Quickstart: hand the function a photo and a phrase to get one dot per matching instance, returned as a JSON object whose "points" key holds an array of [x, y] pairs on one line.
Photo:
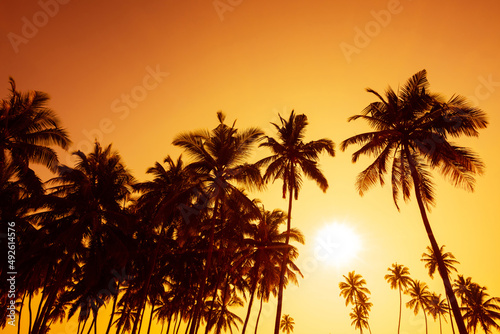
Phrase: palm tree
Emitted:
{"points": [[286, 323], [290, 158], [461, 286], [479, 309], [431, 261], [431, 264], [84, 224], [412, 127], [265, 245], [420, 295], [359, 318], [353, 288], [28, 128], [399, 278], [219, 162], [437, 308]]}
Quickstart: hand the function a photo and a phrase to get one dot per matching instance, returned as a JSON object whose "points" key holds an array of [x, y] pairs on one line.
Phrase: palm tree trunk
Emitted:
{"points": [[113, 309], [20, 313], [258, 316], [435, 248], [30, 313], [151, 316], [208, 264], [400, 306], [141, 316], [283, 265], [451, 317], [440, 326], [142, 302], [252, 294], [425, 318]]}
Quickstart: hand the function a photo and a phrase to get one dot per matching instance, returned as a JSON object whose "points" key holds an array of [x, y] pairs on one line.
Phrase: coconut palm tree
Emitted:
{"points": [[265, 245], [359, 318], [431, 264], [437, 308], [420, 295], [399, 278], [287, 323], [461, 286], [291, 157], [84, 221], [28, 129], [411, 132], [353, 288], [219, 162], [480, 309]]}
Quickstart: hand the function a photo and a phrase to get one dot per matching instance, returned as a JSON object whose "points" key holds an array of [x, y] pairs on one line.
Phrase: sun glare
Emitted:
{"points": [[337, 244]]}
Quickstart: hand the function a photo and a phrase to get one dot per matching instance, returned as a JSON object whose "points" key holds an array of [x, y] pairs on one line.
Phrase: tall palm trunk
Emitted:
{"points": [[400, 307], [283, 265], [435, 248], [144, 296], [41, 321], [151, 316], [425, 318], [113, 308], [451, 317], [250, 303], [258, 315], [201, 292]]}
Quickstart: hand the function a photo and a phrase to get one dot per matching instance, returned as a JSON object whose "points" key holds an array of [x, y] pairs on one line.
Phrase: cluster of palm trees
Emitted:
{"points": [[190, 244], [477, 309], [355, 293]]}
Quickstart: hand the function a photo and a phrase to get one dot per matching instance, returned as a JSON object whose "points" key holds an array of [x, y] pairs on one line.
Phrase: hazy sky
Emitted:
{"points": [[136, 74]]}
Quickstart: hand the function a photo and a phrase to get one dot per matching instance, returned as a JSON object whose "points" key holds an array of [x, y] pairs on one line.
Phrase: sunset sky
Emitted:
{"points": [[136, 74]]}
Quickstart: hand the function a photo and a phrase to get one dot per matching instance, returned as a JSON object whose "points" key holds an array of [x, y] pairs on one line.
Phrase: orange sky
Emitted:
{"points": [[138, 73]]}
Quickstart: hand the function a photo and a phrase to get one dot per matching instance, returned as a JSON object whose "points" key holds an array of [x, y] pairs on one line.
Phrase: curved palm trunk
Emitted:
{"points": [[258, 316], [435, 248], [425, 317], [283, 266], [250, 303]]}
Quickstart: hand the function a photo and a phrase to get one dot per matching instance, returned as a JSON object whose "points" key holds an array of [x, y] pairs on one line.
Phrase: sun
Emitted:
{"points": [[337, 244]]}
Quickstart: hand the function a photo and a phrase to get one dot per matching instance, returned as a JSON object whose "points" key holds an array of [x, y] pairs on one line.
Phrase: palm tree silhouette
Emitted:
{"points": [[219, 162], [431, 261], [290, 158], [265, 243], [28, 129], [412, 127], [359, 318], [479, 309], [287, 323], [437, 308], [431, 264], [399, 278], [85, 224], [420, 295], [353, 288]]}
